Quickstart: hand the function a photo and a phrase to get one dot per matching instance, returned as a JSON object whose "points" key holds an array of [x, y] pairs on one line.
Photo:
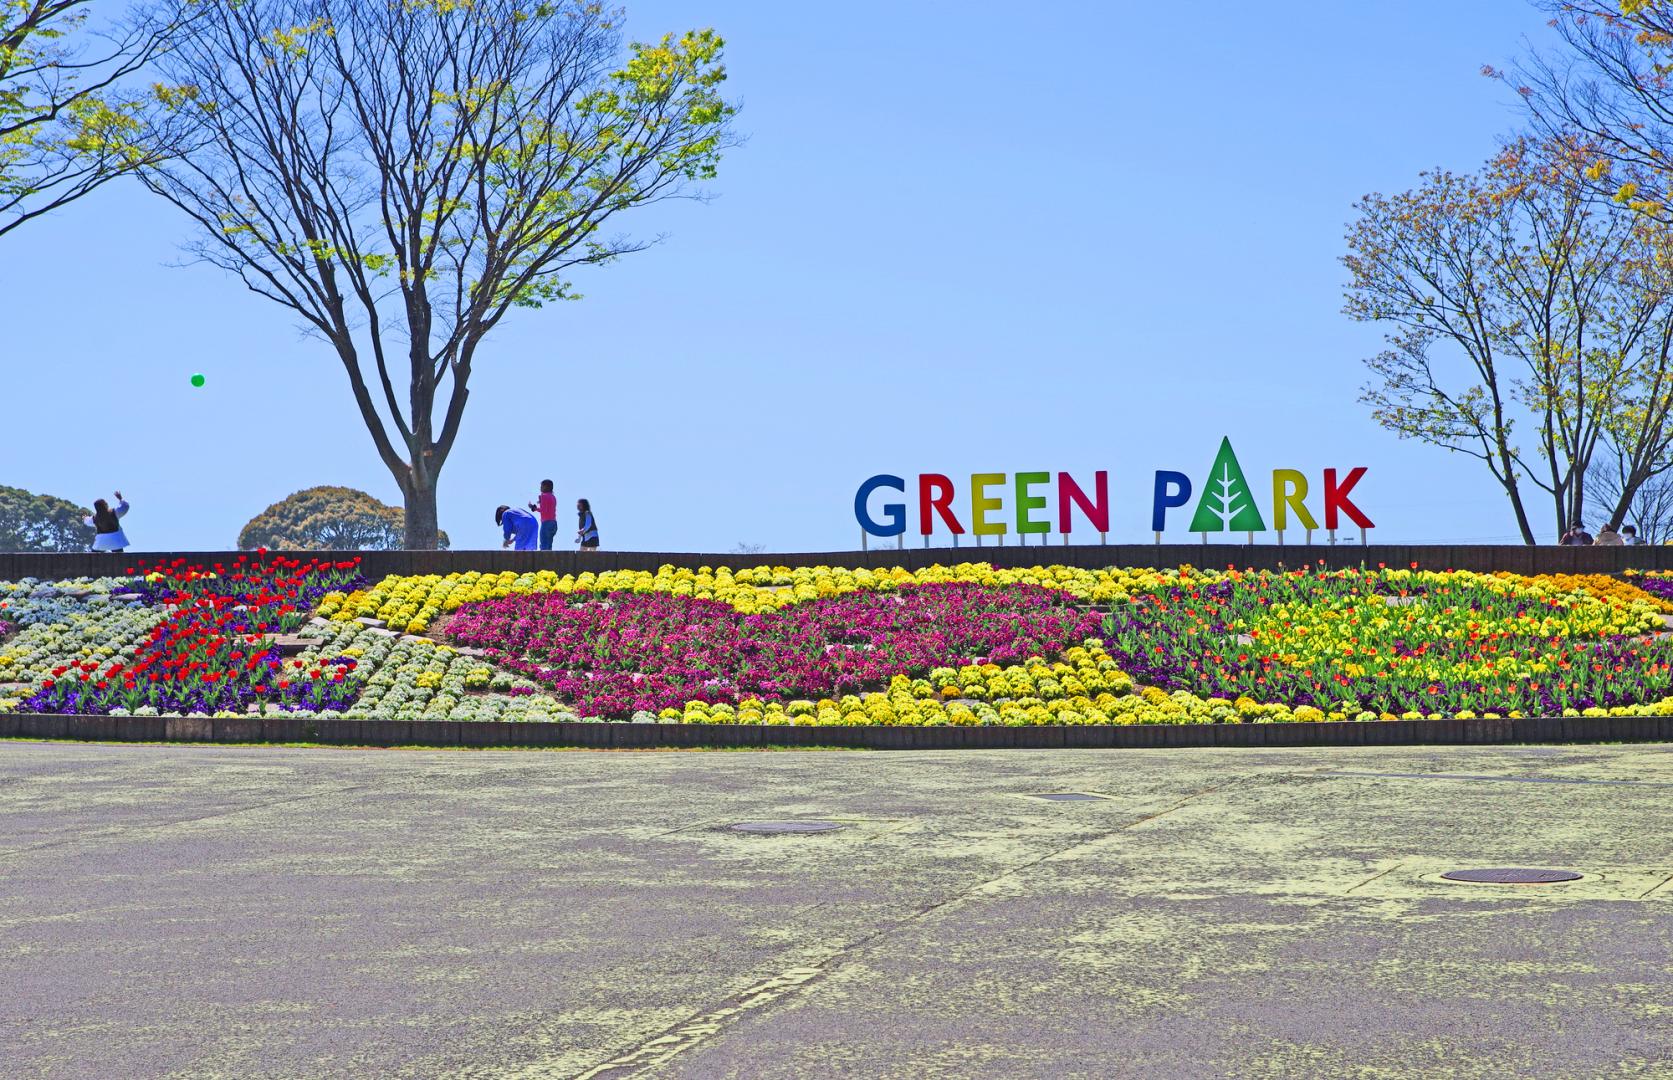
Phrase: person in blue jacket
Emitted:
{"points": [[522, 528]]}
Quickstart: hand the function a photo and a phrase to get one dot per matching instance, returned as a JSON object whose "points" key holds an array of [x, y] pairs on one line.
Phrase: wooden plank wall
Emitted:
{"points": [[1518, 559]]}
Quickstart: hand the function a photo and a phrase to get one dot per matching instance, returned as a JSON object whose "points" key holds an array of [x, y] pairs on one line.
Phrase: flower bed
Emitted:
{"points": [[209, 647], [1656, 592], [412, 603], [1657, 585], [409, 678], [946, 645], [617, 653], [57, 623], [1396, 643]]}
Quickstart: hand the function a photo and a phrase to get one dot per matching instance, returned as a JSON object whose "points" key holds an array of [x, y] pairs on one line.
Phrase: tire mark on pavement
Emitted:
{"points": [[706, 1025]]}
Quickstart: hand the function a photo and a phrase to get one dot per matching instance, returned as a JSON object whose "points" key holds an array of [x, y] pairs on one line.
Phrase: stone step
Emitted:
{"points": [[292, 644]]}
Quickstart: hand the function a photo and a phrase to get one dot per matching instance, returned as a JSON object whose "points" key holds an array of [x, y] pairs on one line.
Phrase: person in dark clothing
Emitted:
{"points": [[586, 531], [1577, 536], [107, 524]]}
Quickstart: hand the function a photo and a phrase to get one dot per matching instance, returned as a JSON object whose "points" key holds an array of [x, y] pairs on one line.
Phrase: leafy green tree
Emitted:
{"points": [[68, 120], [401, 176], [327, 519], [30, 522], [1531, 323]]}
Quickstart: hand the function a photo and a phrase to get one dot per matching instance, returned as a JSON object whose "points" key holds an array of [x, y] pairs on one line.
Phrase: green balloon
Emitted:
{"points": [[197, 380]]}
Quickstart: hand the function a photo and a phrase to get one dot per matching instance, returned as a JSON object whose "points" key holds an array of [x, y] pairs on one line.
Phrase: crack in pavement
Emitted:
{"points": [[1378, 874], [705, 1025], [1657, 885]]}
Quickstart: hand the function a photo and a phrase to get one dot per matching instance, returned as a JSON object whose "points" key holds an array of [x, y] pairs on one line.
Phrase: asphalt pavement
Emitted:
{"points": [[218, 911]]}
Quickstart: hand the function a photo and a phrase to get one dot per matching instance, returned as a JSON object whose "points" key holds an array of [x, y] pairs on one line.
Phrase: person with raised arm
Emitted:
{"points": [[107, 525]]}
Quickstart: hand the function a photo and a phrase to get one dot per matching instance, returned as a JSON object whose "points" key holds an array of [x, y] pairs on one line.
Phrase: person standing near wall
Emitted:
{"points": [[1577, 536], [586, 528], [1608, 537], [547, 507], [107, 525]]}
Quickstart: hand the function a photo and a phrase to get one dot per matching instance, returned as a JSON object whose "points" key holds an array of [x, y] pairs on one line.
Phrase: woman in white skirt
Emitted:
{"points": [[107, 523]]}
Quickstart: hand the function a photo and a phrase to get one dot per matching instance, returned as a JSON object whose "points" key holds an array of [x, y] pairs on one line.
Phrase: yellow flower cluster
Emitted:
{"points": [[1602, 586], [1084, 688], [1083, 671], [412, 603], [899, 708]]}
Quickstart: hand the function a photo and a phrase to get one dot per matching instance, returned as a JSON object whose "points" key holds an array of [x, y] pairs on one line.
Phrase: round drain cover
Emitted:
{"points": [[785, 826], [1512, 876]]}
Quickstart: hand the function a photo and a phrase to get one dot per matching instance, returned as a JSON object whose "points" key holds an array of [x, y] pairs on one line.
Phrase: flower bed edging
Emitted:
{"points": [[499, 733]]}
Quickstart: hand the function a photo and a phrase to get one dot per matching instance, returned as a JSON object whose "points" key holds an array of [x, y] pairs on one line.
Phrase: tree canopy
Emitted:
{"points": [[30, 522], [1530, 324], [327, 519], [401, 176], [69, 121]]}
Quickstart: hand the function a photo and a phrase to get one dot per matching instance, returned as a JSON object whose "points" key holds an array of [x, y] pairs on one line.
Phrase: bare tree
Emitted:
{"points": [[69, 121], [1529, 322], [1649, 507], [402, 175], [1610, 85]]}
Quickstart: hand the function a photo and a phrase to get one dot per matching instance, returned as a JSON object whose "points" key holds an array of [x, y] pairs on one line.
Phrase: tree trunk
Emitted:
{"points": [[422, 533], [1513, 491], [1521, 514], [1623, 507]]}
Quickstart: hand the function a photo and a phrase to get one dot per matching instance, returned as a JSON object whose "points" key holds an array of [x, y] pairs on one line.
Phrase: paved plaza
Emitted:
{"points": [[209, 911]]}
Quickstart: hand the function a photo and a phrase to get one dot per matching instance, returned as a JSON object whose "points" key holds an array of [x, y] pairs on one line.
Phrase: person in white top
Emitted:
{"points": [[108, 525]]}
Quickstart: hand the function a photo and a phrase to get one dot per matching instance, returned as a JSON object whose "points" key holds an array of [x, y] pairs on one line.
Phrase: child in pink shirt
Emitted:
{"points": [[547, 508]]}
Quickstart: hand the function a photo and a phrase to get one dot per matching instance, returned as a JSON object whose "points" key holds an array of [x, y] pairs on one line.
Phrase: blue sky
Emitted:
{"points": [[961, 238]]}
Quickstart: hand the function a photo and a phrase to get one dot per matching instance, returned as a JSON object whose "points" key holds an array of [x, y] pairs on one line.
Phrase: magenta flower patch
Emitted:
{"points": [[612, 654]]}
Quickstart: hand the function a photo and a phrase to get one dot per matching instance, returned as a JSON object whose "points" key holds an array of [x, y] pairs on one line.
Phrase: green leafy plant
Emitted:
{"points": [[30, 522], [327, 519]]}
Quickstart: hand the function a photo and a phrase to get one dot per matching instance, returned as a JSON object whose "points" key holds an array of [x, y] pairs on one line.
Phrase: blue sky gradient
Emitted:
{"points": [[960, 238]]}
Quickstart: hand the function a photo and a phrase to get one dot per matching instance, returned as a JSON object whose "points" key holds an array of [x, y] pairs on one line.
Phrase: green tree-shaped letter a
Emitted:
{"points": [[1227, 503]]}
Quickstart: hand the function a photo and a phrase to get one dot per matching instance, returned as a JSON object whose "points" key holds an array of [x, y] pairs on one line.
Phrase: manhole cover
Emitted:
{"points": [[1512, 876], [1069, 796], [785, 826]]}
